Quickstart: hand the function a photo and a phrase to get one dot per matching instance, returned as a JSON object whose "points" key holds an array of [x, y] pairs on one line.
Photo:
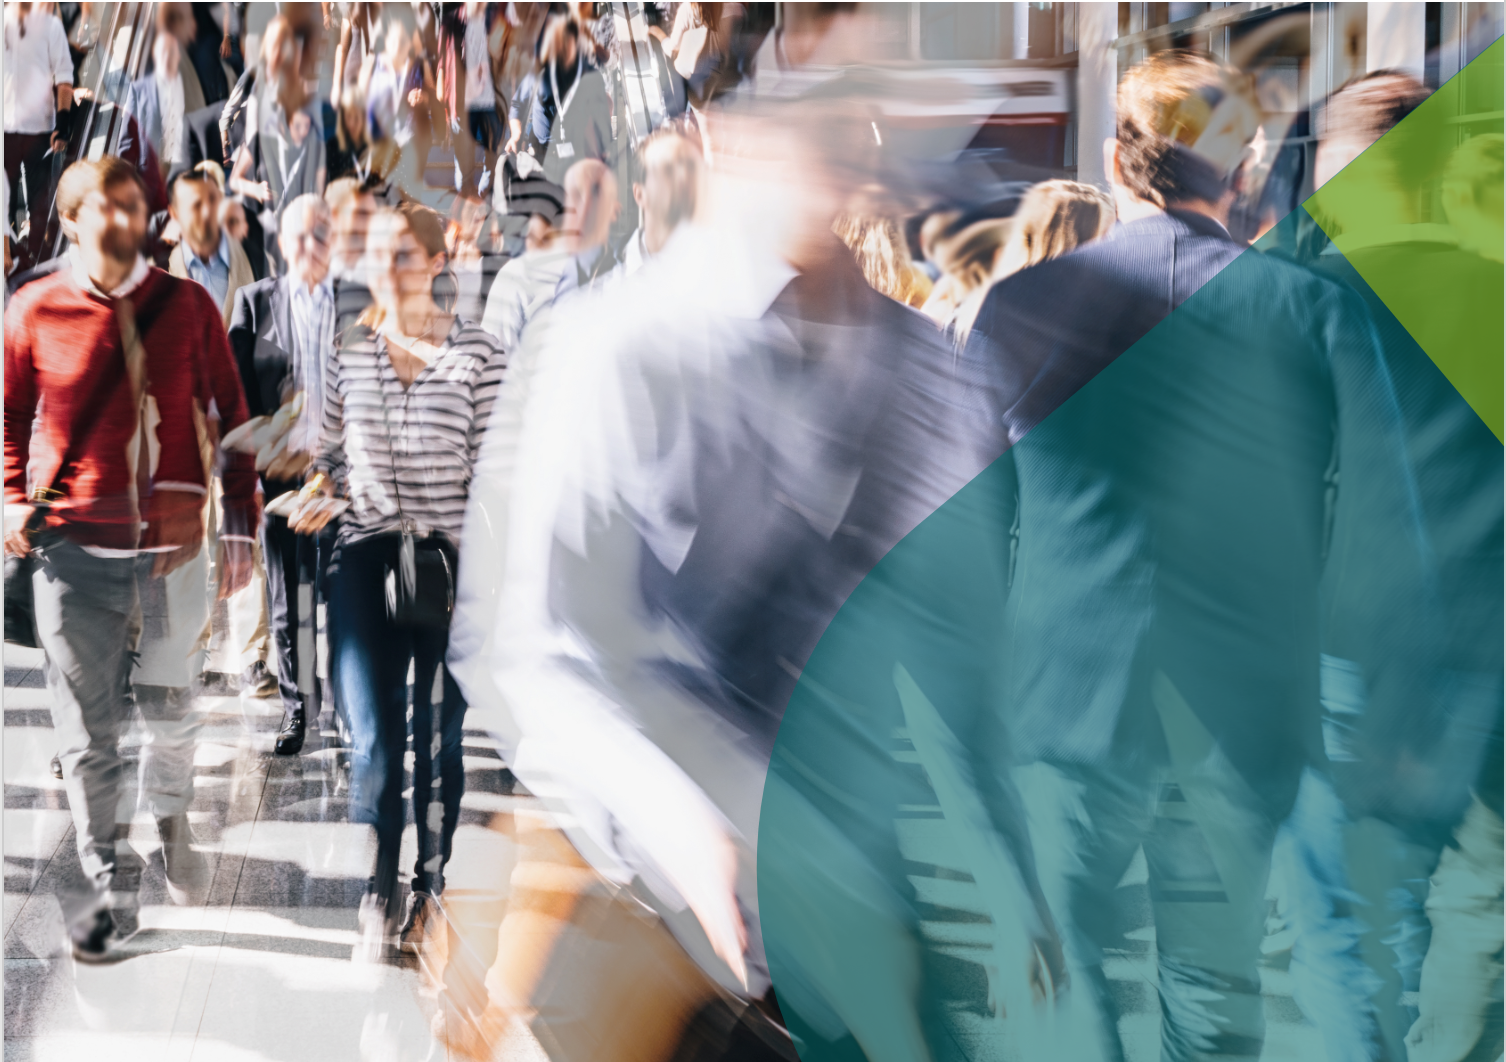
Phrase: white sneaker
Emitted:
{"points": [[376, 934]]}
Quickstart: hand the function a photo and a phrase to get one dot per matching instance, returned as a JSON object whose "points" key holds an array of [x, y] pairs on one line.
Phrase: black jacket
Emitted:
{"points": [[261, 338], [1202, 433]]}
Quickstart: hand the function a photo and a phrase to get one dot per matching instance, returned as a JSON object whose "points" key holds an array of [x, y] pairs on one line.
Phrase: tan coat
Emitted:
{"points": [[240, 274]]}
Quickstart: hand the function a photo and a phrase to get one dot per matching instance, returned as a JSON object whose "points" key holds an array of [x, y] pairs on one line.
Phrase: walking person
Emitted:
{"points": [[407, 396], [38, 111], [282, 333], [206, 253], [1182, 415], [113, 371], [284, 155]]}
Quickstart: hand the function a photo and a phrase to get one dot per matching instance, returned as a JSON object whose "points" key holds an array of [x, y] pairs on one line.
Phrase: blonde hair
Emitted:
{"points": [[1053, 218], [881, 253], [1164, 106], [966, 260]]}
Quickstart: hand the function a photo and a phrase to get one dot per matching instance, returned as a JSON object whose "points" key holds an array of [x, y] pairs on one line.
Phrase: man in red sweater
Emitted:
{"points": [[110, 443]]}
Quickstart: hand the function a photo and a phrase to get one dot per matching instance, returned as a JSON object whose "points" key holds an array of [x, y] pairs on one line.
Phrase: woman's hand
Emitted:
{"points": [[309, 519]]}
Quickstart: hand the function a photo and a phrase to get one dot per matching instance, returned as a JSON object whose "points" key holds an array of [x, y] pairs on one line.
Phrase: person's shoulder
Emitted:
{"points": [[44, 288], [1316, 286], [474, 341], [258, 294], [181, 294]]}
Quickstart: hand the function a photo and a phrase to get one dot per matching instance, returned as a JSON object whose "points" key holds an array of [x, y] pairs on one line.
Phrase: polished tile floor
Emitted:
{"points": [[263, 970]]}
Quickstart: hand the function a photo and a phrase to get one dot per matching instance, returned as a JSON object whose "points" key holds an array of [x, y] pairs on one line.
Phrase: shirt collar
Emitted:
{"points": [[587, 258], [222, 252], [131, 283], [320, 292], [741, 283]]}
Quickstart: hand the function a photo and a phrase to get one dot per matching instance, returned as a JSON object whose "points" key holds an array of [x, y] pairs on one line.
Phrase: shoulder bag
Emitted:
{"points": [[420, 585]]}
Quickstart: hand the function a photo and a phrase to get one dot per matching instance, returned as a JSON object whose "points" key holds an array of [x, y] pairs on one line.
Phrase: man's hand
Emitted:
{"points": [[225, 46], [58, 143], [174, 518], [415, 98], [17, 538], [236, 562]]}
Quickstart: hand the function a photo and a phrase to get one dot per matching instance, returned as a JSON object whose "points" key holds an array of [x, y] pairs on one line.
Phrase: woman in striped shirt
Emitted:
{"points": [[407, 395]]}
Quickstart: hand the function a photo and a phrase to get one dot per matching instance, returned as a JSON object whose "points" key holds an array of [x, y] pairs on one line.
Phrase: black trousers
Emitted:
{"points": [[29, 150], [291, 559]]}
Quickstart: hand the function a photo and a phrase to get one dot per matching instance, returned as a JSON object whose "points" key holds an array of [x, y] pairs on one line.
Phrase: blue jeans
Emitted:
{"points": [[369, 658], [1332, 981]]}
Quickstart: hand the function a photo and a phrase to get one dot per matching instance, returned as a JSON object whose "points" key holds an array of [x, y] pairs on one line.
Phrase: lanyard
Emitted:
{"points": [[561, 106]]}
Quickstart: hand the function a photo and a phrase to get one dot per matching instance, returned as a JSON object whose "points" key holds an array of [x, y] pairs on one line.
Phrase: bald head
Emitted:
{"points": [[590, 204]]}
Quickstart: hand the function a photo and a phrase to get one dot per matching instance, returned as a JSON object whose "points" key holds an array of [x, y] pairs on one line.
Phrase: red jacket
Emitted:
{"points": [[65, 376]]}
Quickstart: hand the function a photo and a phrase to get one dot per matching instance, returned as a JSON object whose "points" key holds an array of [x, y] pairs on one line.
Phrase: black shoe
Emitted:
{"points": [[91, 937], [290, 737], [57, 768]]}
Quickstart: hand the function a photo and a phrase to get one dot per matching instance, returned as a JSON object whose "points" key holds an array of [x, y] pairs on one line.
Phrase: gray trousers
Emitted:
{"points": [[118, 640]]}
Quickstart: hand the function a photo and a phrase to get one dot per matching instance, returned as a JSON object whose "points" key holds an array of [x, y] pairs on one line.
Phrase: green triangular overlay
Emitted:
{"points": [[1368, 202]]}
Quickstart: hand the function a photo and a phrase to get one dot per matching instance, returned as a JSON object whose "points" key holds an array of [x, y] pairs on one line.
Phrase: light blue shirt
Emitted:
{"points": [[313, 338], [214, 274]]}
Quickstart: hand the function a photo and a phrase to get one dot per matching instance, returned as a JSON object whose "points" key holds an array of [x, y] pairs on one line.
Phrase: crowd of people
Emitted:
{"points": [[694, 453]]}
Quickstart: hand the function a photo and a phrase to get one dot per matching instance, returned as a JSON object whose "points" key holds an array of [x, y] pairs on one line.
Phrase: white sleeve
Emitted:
{"points": [[58, 56]]}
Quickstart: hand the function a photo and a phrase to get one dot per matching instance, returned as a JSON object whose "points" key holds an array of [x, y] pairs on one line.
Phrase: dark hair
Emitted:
{"points": [[1371, 107], [196, 175], [427, 227], [93, 175]]}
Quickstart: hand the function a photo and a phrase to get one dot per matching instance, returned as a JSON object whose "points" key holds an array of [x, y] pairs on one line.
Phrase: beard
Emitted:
{"points": [[121, 246]]}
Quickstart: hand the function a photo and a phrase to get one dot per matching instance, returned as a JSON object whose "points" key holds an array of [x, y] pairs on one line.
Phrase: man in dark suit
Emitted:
{"points": [[201, 137], [1410, 785], [281, 333], [1180, 412]]}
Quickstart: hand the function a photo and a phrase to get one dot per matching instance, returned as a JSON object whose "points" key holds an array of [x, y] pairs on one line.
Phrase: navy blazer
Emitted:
{"points": [[261, 338], [1181, 408]]}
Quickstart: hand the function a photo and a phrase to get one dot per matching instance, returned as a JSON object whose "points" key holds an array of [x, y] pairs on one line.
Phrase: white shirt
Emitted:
{"points": [[577, 442], [34, 64], [478, 65], [170, 102]]}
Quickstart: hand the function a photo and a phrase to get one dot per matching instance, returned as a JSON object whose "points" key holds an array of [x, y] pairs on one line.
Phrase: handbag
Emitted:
{"points": [[420, 584], [20, 602]]}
